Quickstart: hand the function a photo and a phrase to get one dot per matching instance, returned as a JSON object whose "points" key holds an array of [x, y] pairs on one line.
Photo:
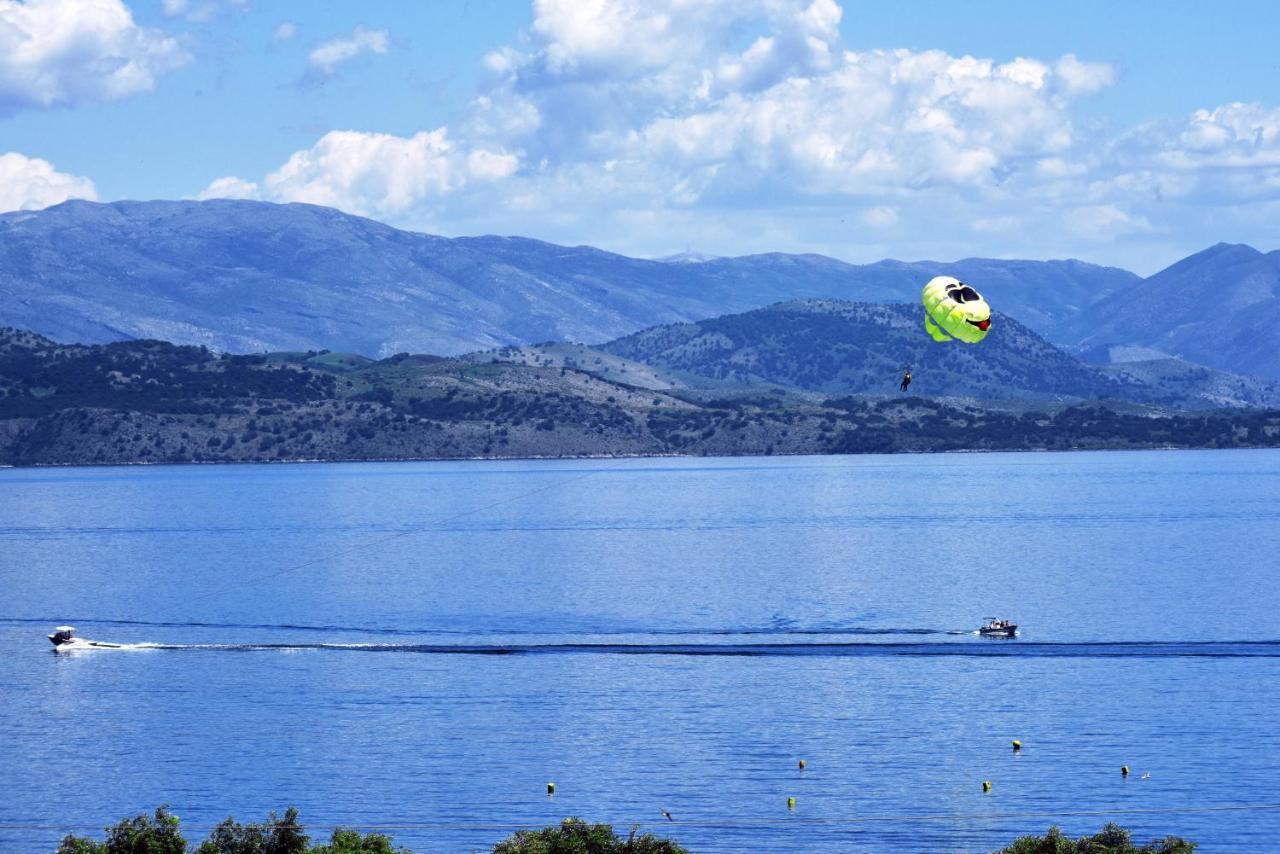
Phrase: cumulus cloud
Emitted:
{"points": [[645, 101], [29, 183], [325, 58], [1099, 222], [1225, 156], [229, 187], [646, 125], [1231, 135], [373, 174], [1082, 78], [880, 216], [367, 172], [284, 31], [56, 52], [201, 11]]}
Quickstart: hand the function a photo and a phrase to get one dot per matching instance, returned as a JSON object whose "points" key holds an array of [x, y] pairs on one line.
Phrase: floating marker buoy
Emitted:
{"points": [[1017, 745], [791, 803], [801, 764], [1124, 770], [551, 788], [986, 785]]}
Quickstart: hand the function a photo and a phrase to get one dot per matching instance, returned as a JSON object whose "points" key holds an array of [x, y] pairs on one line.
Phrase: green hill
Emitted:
{"points": [[150, 401]]}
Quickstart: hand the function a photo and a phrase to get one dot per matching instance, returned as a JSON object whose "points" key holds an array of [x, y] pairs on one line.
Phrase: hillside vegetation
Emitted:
{"points": [[150, 401], [839, 347]]}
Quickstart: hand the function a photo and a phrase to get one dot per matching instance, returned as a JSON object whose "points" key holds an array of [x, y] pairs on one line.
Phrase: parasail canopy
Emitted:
{"points": [[953, 310]]}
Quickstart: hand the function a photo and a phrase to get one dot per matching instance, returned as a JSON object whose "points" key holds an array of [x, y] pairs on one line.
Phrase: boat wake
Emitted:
{"points": [[784, 640], [80, 645], [780, 629], [1195, 649]]}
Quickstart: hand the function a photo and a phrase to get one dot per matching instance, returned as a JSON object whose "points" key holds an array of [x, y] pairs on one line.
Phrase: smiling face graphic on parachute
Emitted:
{"points": [[952, 309]]}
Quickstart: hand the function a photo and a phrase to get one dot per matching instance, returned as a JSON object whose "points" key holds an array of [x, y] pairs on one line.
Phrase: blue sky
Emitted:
{"points": [[1104, 131]]}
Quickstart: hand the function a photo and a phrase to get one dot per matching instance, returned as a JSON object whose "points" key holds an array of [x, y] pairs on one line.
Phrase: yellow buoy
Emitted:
{"points": [[791, 803], [551, 788], [801, 764], [986, 785], [1017, 745], [1124, 770]]}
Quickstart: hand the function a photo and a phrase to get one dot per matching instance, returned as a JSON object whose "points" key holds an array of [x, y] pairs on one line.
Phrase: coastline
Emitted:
{"points": [[608, 457]]}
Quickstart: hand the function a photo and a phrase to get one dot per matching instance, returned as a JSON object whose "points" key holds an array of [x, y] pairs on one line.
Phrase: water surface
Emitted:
{"points": [[423, 646]]}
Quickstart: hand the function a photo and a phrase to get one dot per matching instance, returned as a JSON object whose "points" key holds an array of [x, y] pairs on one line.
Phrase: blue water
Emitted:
{"points": [[421, 647]]}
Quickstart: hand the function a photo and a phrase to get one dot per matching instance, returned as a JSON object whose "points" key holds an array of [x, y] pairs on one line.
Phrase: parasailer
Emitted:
{"points": [[953, 310], [906, 380]]}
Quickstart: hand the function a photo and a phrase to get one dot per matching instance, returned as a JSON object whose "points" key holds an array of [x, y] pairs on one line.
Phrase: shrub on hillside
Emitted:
{"points": [[160, 835], [575, 836], [1112, 839], [141, 834]]}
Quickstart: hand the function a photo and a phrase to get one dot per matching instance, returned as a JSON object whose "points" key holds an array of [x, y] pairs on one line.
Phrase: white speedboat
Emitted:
{"points": [[64, 640]]}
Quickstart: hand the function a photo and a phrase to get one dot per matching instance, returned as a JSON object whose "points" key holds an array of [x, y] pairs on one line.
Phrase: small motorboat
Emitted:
{"points": [[64, 640], [994, 628]]}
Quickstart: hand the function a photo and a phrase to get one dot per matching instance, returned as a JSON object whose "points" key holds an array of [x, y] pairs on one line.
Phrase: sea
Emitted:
{"points": [[421, 648]]}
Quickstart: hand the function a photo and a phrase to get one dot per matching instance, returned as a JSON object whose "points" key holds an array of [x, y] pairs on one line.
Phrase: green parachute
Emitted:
{"points": [[952, 309]]}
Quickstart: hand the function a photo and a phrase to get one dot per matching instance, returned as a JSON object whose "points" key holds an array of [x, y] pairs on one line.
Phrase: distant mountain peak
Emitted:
{"points": [[1218, 252], [689, 256], [247, 276]]}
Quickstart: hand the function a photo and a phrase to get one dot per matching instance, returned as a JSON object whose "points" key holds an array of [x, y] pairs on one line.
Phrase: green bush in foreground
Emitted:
{"points": [[159, 834], [575, 836], [139, 835], [1112, 839]]}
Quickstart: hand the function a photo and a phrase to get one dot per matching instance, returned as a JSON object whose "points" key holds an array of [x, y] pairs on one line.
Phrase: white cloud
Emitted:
{"points": [[229, 187], [284, 31], [1084, 78], [374, 174], [1057, 167], [201, 11], [880, 216], [326, 57], [490, 166], [995, 224], [367, 173], [29, 183], [56, 52], [378, 174], [1102, 222], [744, 125], [1231, 135], [1219, 157]]}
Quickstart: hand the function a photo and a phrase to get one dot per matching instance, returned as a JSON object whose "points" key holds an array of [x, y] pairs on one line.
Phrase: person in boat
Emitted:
{"points": [[906, 380], [62, 634]]}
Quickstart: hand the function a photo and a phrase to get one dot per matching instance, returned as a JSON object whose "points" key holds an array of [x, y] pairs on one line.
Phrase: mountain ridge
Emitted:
{"points": [[152, 401], [243, 276], [1215, 308], [838, 347]]}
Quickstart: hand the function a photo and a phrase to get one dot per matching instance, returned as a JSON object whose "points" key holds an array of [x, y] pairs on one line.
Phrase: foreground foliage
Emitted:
{"points": [[575, 836], [160, 834], [1112, 839]]}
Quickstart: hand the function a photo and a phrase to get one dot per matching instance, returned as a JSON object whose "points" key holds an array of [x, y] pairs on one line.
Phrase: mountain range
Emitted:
{"points": [[833, 347], [243, 276], [1216, 307], [152, 401]]}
